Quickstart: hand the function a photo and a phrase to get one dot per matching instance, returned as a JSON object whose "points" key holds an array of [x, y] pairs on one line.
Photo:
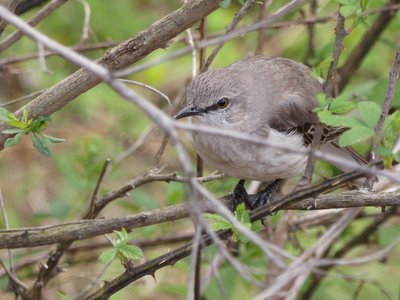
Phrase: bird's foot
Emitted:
{"points": [[238, 196], [265, 196]]}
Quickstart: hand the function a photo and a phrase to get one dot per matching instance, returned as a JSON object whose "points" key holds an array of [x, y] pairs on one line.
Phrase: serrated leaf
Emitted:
{"points": [[12, 131], [328, 118], [369, 112], [341, 107], [355, 135], [12, 141], [39, 145], [218, 222], [130, 251], [347, 10], [108, 255]]}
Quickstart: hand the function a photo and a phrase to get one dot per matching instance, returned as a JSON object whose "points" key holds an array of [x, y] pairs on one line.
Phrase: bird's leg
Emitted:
{"points": [[266, 195], [239, 195]]}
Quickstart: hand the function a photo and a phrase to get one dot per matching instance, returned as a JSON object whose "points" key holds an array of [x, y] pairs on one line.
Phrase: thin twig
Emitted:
{"points": [[311, 32], [387, 103], [93, 197], [239, 16], [150, 88], [77, 48], [6, 226], [261, 36], [19, 287], [356, 56], [331, 82], [86, 22]]}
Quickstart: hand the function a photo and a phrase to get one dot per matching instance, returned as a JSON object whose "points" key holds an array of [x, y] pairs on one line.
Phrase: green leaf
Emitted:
{"points": [[383, 151], [108, 255], [5, 115], [348, 10], [355, 135], [369, 112], [121, 235], [341, 106], [218, 222], [225, 3], [39, 145], [12, 131], [130, 251], [53, 139], [12, 141], [16, 123], [242, 215], [322, 100], [397, 156], [328, 118]]}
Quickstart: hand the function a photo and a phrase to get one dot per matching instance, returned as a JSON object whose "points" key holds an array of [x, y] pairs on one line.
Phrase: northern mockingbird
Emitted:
{"points": [[269, 98]]}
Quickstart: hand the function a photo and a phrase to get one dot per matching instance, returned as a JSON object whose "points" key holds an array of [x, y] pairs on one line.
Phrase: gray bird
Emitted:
{"points": [[269, 98]]}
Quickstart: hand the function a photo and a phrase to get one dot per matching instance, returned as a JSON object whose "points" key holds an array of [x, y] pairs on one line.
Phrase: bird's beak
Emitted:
{"points": [[187, 112]]}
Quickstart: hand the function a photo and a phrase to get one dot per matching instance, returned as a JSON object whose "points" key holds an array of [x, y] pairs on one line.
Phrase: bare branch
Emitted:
{"points": [[77, 230]]}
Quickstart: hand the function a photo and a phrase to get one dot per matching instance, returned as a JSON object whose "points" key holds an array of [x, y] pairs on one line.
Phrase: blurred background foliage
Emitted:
{"points": [[99, 124]]}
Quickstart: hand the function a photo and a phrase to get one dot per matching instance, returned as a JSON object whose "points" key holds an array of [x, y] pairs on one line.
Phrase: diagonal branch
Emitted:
{"points": [[128, 52]]}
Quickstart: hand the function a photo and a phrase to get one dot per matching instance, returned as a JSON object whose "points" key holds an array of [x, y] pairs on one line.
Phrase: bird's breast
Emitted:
{"points": [[246, 160]]}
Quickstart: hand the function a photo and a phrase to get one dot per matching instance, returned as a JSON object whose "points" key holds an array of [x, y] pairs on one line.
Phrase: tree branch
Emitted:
{"points": [[128, 52]]}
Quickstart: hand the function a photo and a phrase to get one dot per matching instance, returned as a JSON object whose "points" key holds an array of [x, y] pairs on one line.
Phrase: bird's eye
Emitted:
{"points": [[223, 102]]}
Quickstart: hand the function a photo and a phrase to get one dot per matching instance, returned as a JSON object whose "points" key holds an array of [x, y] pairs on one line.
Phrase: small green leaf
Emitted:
{"points": [[242, 215], [130, 251], [53, 139], [328, 118], [340, 107], [218, 222], [12, 131], [355, 135], [397, 156], [322, 100], [16, 123], [108, 255], [383, 151], [5, 115], [12, 141], [39, 145], [348, 10], [369, 112]]}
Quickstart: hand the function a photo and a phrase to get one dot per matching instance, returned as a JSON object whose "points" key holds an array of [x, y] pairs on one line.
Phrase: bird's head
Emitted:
{"points": [[217, 97]]}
